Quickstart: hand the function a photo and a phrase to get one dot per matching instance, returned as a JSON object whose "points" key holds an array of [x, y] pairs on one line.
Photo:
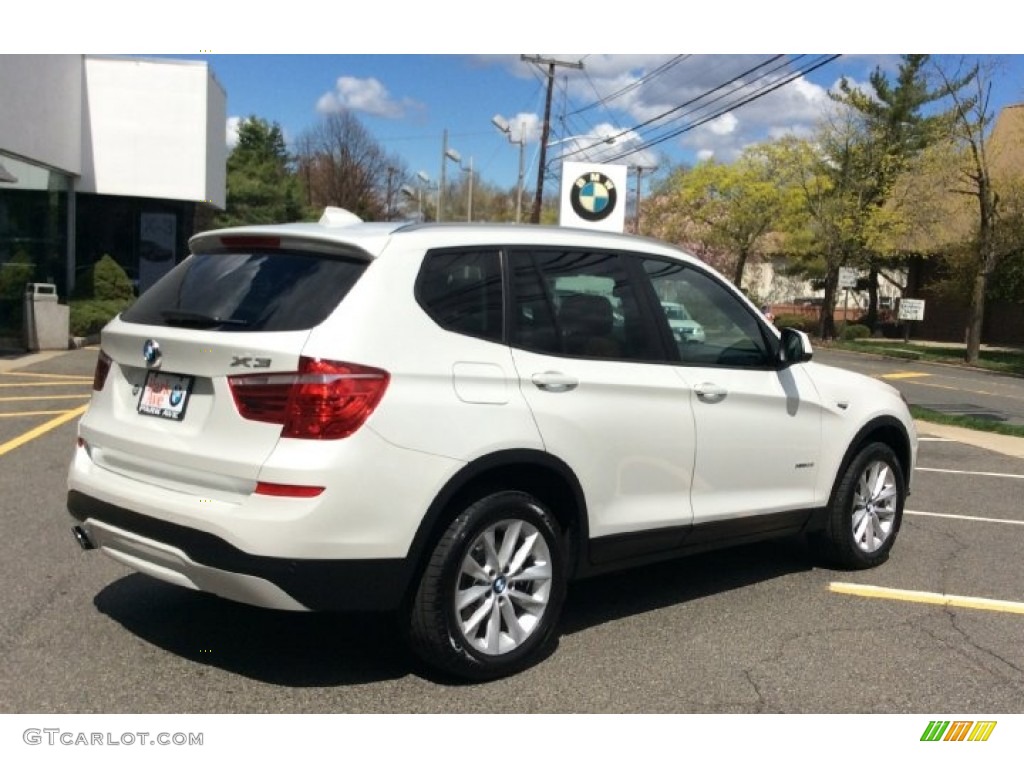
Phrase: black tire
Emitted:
{"points": [[520, 614], [865, 511]]}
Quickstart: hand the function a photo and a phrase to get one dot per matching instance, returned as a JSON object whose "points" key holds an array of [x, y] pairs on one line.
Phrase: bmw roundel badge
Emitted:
{"points": [[151, 353], [593, 196]]}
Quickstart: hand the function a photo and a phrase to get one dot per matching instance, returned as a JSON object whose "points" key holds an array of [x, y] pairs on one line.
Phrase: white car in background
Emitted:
{"points": [[439, 421], [684, 327]]}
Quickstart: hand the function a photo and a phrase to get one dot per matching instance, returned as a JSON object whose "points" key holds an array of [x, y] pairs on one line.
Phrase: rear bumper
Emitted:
{"points": [[200, 560]]}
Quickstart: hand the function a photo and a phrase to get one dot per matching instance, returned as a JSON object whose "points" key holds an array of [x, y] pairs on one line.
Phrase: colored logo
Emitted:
{"points": [[958, 730], [593, 196], [151, 353], [176, 395]]}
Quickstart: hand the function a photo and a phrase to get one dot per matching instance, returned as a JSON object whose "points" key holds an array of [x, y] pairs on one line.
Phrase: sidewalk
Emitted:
{"points": [[1004, 444], [12, 360]]}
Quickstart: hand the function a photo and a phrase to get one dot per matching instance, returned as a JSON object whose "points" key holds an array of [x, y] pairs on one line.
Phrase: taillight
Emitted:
{"points": [[99, 376], [291, 491], [324, 400]]}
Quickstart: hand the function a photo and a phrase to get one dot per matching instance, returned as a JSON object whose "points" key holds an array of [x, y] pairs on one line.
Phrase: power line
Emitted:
{"points": [[762, 91], [603, 100], [682, 106]]}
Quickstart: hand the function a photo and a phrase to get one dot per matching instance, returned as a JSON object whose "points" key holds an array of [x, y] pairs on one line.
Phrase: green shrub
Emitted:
{"points": [[105, 280], [805, 323], [20, 269], [88, 316], [856, 331]]}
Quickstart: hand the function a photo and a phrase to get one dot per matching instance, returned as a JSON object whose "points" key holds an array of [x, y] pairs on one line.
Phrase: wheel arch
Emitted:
{"points": [[883, 429], [539, 474]]}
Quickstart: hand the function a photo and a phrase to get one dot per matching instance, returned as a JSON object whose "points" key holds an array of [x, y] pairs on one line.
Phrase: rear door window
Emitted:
{"points": [[580, 304], [252, 291]]}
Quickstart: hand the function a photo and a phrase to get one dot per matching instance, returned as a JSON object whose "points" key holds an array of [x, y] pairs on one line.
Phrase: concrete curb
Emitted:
{"points": [[1004, 444]]}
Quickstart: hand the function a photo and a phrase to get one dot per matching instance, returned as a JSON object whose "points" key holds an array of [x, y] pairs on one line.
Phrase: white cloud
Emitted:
{"points": [[693, 102], [724, 125], [231, 131], [362, 95], [525, 124]]}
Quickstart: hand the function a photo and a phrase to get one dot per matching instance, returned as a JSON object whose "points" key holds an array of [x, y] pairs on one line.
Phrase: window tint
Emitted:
{"points": [[709, 324], [461, 291], [260, 291], [581, 304]]}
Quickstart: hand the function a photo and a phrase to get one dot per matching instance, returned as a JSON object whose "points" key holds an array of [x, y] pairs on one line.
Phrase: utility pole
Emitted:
{"points": [[552, 63], [639, 194], [440, 188], [389, 194]]}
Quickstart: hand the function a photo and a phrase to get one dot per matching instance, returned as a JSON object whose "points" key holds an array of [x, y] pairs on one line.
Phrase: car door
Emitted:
{"points": [[757, 424], [594, 370]]}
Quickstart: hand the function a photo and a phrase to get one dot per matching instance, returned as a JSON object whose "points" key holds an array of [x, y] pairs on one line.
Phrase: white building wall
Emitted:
{"points": [[216, 143], [145, 128], [40, 109]]}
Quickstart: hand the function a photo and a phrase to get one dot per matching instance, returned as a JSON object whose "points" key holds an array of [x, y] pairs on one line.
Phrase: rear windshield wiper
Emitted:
{"points": [[197, 319]]}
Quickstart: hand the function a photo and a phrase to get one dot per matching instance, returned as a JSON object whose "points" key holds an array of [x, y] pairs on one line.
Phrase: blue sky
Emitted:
{"points": [[408, 101], [411, 70]]}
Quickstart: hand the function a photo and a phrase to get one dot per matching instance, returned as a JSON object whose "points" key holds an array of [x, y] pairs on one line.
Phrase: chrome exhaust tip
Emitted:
{"points": [[82, 538]]}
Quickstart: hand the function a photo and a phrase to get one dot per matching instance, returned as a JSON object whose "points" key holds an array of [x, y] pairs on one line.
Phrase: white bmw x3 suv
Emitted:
{"points": [[454, 421]]}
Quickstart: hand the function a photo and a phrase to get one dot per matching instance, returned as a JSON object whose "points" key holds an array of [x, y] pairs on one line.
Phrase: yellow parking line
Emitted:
{"points": [[47, 375], [931, 598], [915, 375], [43, 397], [903, 375], [30, 413], [42, 429]]}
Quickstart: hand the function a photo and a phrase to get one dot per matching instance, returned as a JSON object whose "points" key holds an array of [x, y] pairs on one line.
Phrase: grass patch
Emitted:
{"points": [[999, 361], [967, 422]]}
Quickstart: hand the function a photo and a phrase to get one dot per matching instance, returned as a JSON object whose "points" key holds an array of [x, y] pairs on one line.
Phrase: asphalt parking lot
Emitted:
{"points": [[761, 628]]}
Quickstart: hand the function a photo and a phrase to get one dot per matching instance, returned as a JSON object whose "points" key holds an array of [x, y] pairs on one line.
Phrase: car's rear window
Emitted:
{"points": [[252, 291]]}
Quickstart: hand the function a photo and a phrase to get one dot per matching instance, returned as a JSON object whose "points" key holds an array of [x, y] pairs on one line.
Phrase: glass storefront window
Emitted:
{"points": [[33, 235]]}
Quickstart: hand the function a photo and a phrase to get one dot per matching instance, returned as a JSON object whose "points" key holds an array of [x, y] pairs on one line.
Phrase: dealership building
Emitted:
{"points": [[104, 155]]}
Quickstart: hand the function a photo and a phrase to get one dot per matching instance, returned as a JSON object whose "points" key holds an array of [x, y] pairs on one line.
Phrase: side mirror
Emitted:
{"points": [[795, 347]]}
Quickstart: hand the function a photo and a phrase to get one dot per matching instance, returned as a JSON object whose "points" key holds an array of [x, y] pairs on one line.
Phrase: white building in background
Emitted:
{"points": [[104, 155]]}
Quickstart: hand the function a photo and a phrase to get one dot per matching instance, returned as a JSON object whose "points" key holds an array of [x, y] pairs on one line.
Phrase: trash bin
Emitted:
{"points": [[46, 321]]}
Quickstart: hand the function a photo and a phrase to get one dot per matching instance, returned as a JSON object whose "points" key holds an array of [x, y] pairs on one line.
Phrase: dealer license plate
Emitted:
{"points": [[165, 395]]}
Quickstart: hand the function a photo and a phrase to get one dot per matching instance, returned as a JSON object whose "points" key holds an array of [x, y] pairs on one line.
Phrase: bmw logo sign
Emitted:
{"points": [[593, 196], [151, 354]]}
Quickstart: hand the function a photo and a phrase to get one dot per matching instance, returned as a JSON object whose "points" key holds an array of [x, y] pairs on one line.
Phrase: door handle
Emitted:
{"points": [[554, 381], [711, 393]]}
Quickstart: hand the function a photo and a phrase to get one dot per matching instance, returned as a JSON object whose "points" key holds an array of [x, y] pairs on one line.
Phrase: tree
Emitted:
{"points": [[666, 220], [971, 121], [261, 188], [894, 131], [735, 205], [341, 164], [824, 217]]}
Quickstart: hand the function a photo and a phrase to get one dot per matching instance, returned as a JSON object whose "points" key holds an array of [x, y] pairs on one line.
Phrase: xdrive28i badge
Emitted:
{"points": [[151, 354], [593, 196]]}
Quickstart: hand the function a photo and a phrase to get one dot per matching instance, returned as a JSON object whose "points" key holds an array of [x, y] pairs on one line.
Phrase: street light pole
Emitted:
{"points": [[440, 189], [447, 154], [502, 125], [469, 202], [424, 180]]}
